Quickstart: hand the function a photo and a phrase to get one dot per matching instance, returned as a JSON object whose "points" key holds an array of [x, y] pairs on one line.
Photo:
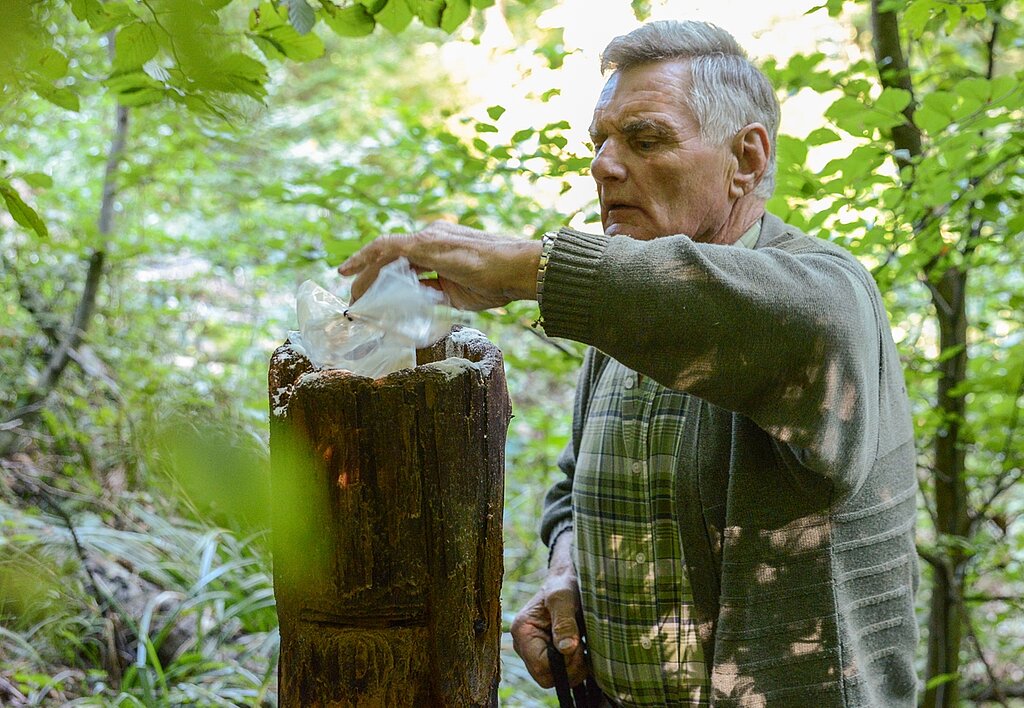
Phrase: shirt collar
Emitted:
{"points": [[749, 237]]}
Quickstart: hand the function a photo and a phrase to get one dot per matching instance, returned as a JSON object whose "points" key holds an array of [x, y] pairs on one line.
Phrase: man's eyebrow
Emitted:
{"points": [[635, 127], [648, 127]]}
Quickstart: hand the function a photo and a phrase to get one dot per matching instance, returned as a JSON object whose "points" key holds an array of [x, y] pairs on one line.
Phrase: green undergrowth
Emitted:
{"points": [[137, 609]]}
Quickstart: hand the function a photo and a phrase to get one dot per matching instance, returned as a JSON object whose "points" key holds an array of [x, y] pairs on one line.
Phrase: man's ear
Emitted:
{"points": [[752, 151]]}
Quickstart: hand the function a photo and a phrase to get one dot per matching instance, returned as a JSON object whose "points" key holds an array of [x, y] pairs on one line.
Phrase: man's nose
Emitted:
{"points": [[607, 165]]}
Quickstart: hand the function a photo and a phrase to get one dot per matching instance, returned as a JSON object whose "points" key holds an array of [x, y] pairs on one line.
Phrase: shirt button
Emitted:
{"points": [[645, 643], [629, 382], [637, 467], [640, 557]]}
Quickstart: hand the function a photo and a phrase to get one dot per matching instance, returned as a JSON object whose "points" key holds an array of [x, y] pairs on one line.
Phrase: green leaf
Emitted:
{"points": [[102, 17], [51, 64], [485, 128], [455, 13], [63, 97], [395, 16], [930, 121], [245, 66], [135, 88], [822, 136], [940, 679], [942, 102], [847, 113], [352, 21], [953, 15], [39, 180], [791, 150], [976, 11], [950, 352], [301, 16], [340, 249], [521, 135], [558, 141], [276, 38], [20, 211], [88, 10], [893, 100], [917, 15], [429, 11], [974, 87], [495, 112], [134, 46], [482, 4], [641, 9], [240, 73]]}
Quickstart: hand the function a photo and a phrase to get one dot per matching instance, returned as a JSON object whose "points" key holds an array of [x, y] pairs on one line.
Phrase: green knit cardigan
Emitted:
{"points": [[796, 490]]}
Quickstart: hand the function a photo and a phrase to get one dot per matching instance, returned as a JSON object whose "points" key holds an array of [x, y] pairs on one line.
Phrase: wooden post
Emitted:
{"points": [[388, 500]]}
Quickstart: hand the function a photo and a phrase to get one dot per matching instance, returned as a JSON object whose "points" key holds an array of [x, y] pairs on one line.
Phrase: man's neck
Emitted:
{"points": [[744, 213]]}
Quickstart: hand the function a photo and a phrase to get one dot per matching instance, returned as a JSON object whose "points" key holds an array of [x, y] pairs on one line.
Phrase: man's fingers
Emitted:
{"points": [[535, 656], [376, 254], [565, 633], [363, 282]]}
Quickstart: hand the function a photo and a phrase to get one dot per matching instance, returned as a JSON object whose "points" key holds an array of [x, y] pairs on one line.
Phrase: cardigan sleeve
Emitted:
{"points": [[789, 334]]}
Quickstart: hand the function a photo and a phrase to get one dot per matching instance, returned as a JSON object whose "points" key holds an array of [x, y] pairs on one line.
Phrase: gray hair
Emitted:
{"points": [[727, 90]]}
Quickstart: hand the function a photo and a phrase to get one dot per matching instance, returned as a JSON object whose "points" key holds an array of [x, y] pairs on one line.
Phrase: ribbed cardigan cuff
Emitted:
{"points": [[566, 304]]}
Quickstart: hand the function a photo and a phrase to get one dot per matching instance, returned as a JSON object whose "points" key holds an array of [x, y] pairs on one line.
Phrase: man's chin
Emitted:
{"points": [[626, 229]]}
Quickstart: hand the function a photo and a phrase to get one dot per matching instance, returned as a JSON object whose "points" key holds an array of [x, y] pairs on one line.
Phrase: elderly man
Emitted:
{"points": [[737, 510]]}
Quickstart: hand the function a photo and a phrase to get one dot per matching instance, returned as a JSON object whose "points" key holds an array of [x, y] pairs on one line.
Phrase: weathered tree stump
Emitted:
{"points": [[388, 499]]}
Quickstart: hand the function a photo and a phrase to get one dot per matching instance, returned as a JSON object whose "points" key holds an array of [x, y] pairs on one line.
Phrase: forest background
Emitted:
{"points": [[172, 169]]}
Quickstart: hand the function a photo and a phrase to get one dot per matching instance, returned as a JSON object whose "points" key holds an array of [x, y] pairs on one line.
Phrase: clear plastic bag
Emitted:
{"points": [[377, 335]]}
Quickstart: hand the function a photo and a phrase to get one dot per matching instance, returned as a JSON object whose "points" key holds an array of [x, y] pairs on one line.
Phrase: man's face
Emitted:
{"points": [[655, 176]]}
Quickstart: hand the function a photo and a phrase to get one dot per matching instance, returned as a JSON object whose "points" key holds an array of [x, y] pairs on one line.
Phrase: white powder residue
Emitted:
{"points": [[295, 343], [464, 337], [452, 367]]}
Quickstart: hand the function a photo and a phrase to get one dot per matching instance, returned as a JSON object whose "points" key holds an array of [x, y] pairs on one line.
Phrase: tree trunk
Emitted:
{"points": [[387, 528], [946, 615], [948, 288]]}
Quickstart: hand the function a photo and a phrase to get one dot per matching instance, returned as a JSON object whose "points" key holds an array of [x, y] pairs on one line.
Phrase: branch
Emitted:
{"points": [[983, 599], [936, 562], [548, 340], [998, 695], [938, 212], [62, 354], [979, 693], [990, 46], [929, 507], [1007, 477]]}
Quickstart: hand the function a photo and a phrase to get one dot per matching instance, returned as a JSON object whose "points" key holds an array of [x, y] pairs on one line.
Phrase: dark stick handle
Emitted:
{"points": [[557, 663]]}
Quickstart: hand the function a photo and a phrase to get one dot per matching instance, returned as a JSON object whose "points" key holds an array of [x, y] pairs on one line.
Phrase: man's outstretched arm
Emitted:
{"points": [[475, 269]]}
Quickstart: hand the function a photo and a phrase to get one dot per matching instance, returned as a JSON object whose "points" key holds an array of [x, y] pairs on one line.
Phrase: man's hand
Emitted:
{"points": [[550, 616], [475, 269]]}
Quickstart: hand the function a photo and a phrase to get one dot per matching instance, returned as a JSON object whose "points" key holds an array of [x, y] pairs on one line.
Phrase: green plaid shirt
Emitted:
{"points": [[637, 600]]}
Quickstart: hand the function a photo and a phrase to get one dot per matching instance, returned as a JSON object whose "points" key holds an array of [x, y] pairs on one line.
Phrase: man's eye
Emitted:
{"points": [[646, 145]]}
